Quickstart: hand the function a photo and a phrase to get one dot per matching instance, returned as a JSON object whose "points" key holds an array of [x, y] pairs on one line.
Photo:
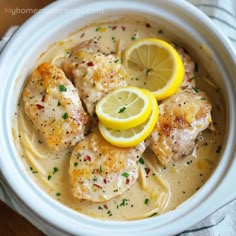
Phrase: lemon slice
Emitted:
{"points": [[132, 137], [124, 108], [155, 65]]}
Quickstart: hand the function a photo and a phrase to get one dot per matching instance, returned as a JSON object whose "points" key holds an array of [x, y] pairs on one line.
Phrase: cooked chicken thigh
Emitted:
{"points": [[74, 58], [93, 73], [181, 118], [100, 171], [53, 105], [189, 69]]}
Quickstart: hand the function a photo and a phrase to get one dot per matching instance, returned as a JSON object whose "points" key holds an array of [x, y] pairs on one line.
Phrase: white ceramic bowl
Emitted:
{"points": [[192, 28]]}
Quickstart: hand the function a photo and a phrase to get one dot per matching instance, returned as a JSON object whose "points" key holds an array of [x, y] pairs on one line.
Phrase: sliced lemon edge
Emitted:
{"points": [[174, 83], [130, 122], [138, 138]]}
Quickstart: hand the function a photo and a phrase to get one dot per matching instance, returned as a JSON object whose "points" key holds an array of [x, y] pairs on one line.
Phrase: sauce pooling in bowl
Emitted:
{"points": [[154, 188]]}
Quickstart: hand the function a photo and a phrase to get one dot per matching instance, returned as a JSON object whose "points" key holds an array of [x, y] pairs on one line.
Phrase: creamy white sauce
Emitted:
{"points": [[184, 177]]}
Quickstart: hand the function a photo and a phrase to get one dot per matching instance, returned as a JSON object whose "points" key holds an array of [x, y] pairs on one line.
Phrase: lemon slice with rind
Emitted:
{"points": [[155, 65], [134, 136], [124, 108]]}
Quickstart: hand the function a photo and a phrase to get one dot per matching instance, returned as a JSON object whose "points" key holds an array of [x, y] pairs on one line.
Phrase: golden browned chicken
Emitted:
{"points": [[181, 118], [53, 105], [94, 73], [100, 171]]}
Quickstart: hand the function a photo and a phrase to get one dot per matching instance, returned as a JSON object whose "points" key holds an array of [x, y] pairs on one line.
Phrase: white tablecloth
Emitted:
{"points": [[222, 222]]}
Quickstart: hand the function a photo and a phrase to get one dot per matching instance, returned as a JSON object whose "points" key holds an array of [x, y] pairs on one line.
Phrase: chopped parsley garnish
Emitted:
{"points": [[100, 169], [146, 201], [203, 98], [135, 36], [62, 88], [75, 164], [141, 160], [109, 213], [68, 54], [100, 208], [65, 115], [78, 155], [58, 104], [125, 174], [148, 71], [124, 202], [33, 171], [122, 109], [153, 214], [195, 90], [55, 170], [58, 194], [113, 39], [85, 74], [188, 162]]}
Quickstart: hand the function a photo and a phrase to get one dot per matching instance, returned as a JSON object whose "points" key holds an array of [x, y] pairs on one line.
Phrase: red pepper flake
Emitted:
{"points": [[98, 186], [95, 171], [148, 25], [114, 27], [104, 181], [127, 181], [43, 98], [82, 35], [147, 170], [39, 106], [87, 158], [90, 63], [123, 28], [105, 206]]}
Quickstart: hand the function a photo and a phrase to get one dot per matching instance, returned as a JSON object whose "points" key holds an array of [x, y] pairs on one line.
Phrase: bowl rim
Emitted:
{"points": [[94, 224]]}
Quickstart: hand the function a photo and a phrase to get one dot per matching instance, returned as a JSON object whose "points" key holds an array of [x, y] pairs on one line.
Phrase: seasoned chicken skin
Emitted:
{"points": [[189, 69], [100, 171], [93, 73], [53, 105], [73, 59], [181, 118]]}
